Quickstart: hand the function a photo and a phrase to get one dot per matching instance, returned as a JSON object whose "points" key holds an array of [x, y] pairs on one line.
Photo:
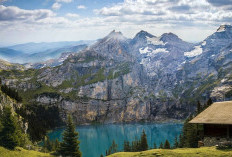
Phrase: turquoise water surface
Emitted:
{"points": [[95, 139]]}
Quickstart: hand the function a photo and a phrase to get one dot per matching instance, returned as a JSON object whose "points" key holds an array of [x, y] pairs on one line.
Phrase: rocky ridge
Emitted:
{"points": [[146, 78]]}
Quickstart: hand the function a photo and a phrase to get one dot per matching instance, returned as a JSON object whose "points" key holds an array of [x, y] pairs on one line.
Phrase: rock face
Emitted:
{"points": [[6, 101], [146, 78], [4, 65]]}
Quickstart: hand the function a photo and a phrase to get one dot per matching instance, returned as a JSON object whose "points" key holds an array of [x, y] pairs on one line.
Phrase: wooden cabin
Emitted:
{"points": [[217, 123]]}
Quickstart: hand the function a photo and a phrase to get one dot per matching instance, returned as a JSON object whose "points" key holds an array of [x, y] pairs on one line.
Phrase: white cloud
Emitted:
{"points": [[173, 12], [72, 15], [81, 7], [13, 13], [226, 4], [56, 6], [64, 1], [189, 19]]}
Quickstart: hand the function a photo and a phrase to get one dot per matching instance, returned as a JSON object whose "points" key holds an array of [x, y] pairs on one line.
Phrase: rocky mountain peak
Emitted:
{"points": [[114, 45], [166, 37], [223, 28], [222, 36], [5, 65], [143, 34], [141, 38], [115, 35], [114, 80]]}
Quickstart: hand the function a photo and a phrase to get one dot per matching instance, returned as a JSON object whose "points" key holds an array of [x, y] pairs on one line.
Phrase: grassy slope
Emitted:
{"points": [[20, 152], [182, 152]]}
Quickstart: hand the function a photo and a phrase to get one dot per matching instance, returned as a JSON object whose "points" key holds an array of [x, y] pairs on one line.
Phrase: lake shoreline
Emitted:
{"points": [[96, 138], [125, 123]]}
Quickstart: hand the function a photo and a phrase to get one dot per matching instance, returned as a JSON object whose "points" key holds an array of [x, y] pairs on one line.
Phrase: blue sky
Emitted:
{"points": [[71, 20], [68, 6]]}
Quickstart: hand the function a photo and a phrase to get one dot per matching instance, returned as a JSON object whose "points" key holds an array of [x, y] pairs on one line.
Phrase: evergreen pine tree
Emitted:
{"points": [[8, 136], [155, 146], [48, 145], [113, 148], [161, 146], [176, 144], [56, 145], [136, 145], [190, 136], [1, 126], [126, 146], [181, 141], [70, 144], [143, 139], [167, 145], [44, 148]]}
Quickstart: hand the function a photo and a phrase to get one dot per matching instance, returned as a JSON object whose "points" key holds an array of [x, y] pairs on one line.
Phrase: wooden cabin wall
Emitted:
{"points": [[217, 130]]}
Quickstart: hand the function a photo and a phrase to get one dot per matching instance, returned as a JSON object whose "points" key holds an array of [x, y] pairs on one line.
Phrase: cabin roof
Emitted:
{"points": [[217, 113]]}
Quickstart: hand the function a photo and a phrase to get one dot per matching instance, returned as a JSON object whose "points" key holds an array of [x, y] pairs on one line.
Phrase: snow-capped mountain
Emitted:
{"points": [[159, 53], [210, 62], [114, 45], [214, 43], [147, 78], [140, 39]]}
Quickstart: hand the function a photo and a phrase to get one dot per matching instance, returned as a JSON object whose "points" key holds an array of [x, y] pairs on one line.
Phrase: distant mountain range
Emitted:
{"points": [[31, 48], [40, 52], [147, 78]]}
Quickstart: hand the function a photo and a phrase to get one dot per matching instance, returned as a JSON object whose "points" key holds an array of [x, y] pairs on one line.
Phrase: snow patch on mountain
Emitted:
{"points": [[155, 41], [151, 52], [159, 50], [195, 52], [144, 50]]}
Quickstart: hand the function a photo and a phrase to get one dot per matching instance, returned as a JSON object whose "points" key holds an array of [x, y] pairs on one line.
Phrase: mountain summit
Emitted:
{"points": [[114, 45], [223, 28], [223, 32], [115, 36], [213, 44], [166, 37], [143, 34], [140, 38], [125, 80]]}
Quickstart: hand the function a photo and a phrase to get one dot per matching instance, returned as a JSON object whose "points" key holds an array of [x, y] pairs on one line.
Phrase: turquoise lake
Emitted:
{"points": [[95, 139]]}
